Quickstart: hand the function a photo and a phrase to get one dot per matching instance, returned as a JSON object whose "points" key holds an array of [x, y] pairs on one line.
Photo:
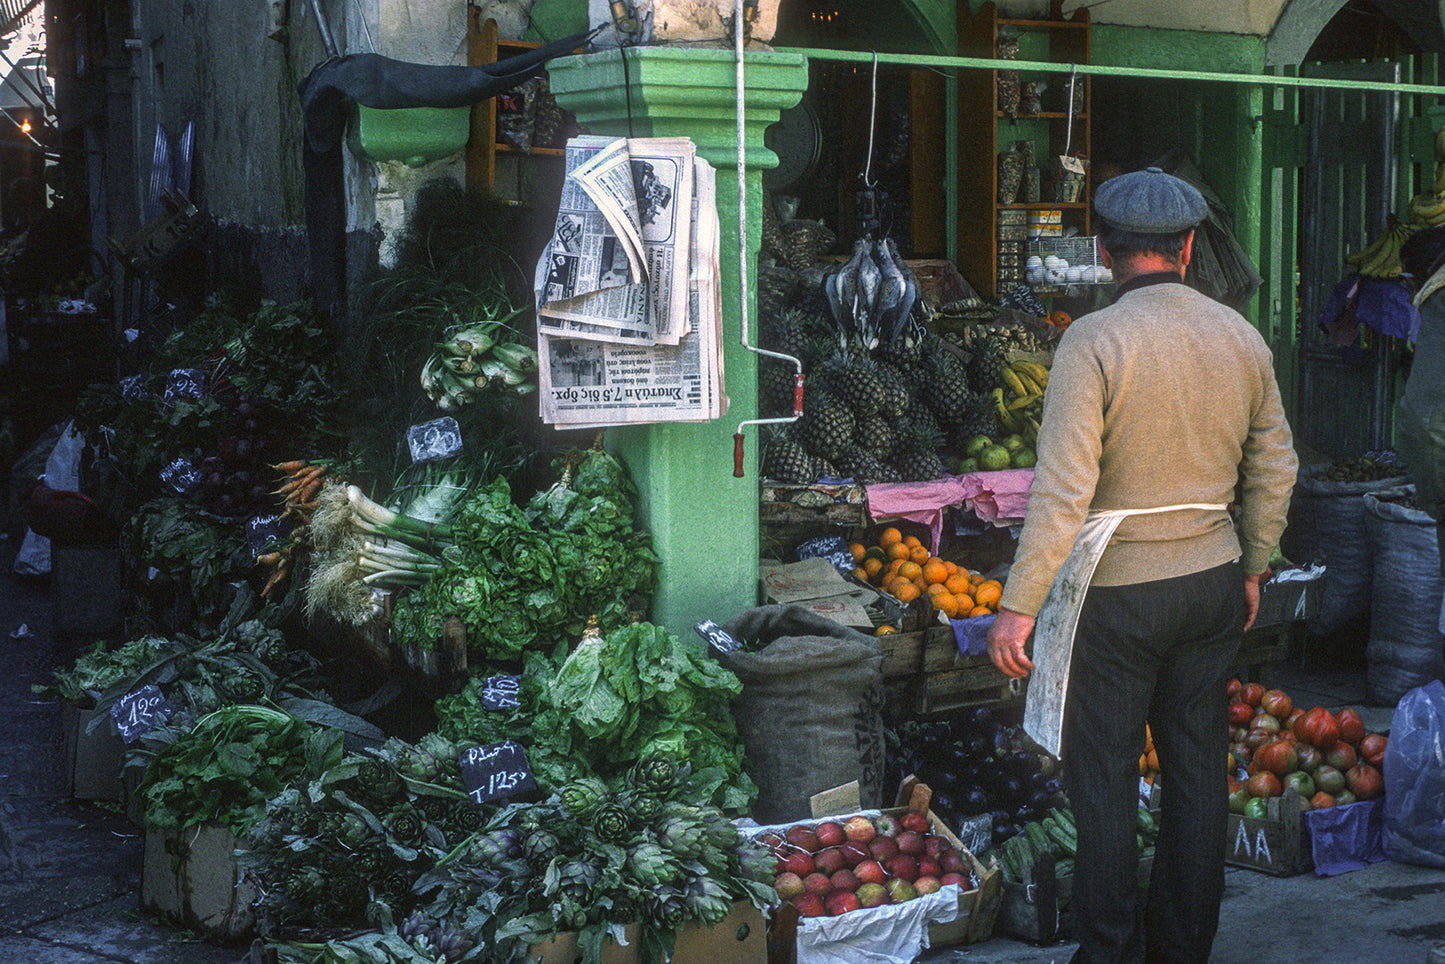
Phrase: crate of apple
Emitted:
{"points": [[833, 867]]}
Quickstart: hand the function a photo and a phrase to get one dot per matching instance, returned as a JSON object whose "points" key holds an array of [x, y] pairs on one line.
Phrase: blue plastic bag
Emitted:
{"points": [[1415, 778], [1345, 838], [971, 635]]}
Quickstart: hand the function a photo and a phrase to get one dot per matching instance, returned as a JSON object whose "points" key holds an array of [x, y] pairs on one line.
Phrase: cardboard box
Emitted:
{"points": [[92, 755], [739, 938], [192, 878]]}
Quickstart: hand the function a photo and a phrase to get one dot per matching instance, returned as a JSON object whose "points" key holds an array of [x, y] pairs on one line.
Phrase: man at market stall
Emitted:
{"points": [[1162, 410]]}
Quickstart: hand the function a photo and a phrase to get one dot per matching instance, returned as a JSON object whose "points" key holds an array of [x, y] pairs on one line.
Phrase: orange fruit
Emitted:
{"points": [[952, 566], [988, 592], [890, 568], [912, 541], [919, 554], [946, 603], [884, 630], [974, 578], [860, 573], [898, 551], [889, 536], [910, 570], [859, 550], [906, 592], [935, 572], [934, 588], [979, 611], [872, 568], [956, 583]]}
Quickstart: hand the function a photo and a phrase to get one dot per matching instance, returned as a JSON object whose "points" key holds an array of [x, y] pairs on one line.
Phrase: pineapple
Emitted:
{"points": [[980, 418], [986, 363], [945, 388], [873, 436], [826, 425], [785, 460], [920, 466], [776, 381], [866, 469], [897, 395], [915, 452], [854, 380]]}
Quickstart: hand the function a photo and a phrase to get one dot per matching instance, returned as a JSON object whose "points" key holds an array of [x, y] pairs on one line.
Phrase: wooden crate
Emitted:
{"points": [[834, 504], [924, 673], [1273, 844]]}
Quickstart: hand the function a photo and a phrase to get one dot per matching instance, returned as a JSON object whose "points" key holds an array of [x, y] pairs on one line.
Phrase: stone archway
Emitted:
{"points": [[1301, 22]]}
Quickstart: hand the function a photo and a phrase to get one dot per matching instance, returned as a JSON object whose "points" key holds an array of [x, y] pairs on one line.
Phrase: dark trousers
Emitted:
{"points": [[1155, 651]]}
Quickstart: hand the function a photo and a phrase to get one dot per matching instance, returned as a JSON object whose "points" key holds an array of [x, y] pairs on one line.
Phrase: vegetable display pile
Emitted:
{"points": [[836, 867], [1056, 836], [978, 765], [1328, 759], [632, 694], [226, 768]]}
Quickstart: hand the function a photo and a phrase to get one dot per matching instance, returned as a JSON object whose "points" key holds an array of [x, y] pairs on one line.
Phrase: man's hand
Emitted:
{"points": [[1006, 638], [1251, 598]]}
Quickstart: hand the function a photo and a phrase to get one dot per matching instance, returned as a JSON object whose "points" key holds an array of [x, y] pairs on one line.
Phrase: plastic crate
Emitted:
{"points": [[1077, 257]]}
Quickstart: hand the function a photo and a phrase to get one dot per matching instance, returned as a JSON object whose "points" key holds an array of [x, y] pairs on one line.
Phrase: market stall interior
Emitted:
{"points": [[354, 628]]}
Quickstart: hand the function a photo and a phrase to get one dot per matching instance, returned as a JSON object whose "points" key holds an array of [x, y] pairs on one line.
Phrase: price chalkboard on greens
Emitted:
{"points": [[139, 711], [438, 439], [500, 693], [496, 770], [721, 640]]}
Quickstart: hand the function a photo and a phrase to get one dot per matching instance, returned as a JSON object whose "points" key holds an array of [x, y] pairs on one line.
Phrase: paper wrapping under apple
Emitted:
{"points": [[998, 498], [886, 935]]}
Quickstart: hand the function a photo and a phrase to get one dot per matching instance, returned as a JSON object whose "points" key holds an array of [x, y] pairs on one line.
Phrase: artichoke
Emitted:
{"points": [[624, 904], [434, 809], [405, 824], [721, 832], [707, 901], [682, 833], [641, 805], [657, 775], [576, 880], [612, 822], [651, 866], [583, 796], [667, 907], [378, 781], [539, 846], [755, 861], [465, 817]]}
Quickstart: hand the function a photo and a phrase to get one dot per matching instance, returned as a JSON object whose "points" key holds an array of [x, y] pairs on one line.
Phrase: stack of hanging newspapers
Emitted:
{"points": [[628, 301]]}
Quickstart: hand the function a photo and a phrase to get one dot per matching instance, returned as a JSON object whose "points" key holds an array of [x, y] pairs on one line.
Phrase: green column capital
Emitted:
{"points": [[682, 92]]}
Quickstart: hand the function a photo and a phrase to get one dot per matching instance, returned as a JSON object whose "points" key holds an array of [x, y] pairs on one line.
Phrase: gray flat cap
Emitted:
{"points": [[1150, 202]]}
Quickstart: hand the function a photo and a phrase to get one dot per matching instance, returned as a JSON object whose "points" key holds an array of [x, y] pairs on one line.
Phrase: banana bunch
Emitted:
{"points": [[1427, 208], [1019, 400], [1381, 258], [471, 361]]}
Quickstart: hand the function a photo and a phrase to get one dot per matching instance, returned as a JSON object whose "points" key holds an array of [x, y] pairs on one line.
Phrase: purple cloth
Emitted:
{"points": [[1382, 303], [971, 635], [1345, 838]]}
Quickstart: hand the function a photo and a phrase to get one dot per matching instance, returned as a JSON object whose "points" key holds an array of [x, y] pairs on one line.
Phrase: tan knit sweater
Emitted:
{"points": [[1165, 397]]}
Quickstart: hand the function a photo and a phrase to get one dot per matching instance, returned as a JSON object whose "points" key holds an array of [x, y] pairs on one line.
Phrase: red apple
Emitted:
{"points": [[830, 833], [803, 837], [809, 905], [910, 842], [872, 894], [902, 866], [900, 890], [788, 885], [935, 844], [927, 884], [953, 863], [855, 853], [799, 863], [841, 902], [859, 829], [844, 879], [870, 872], [882, 848], [830, 859], [961, 880], [916, 822], [929, 867], [773, 841], [885, 824], [816, 883]]}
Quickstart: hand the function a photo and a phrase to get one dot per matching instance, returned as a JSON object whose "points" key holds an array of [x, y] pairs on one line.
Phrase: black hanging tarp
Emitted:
{"points": [[372, 80]]}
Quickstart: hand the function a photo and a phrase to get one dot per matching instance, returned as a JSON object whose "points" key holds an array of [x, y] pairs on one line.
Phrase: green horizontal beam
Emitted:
{"points": [[1105, 70]]}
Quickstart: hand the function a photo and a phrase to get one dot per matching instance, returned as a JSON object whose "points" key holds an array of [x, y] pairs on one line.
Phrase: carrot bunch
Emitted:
{"points": [[298, 493]]}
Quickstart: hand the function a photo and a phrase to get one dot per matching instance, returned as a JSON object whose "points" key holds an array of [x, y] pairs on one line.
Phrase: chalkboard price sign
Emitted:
{"points": [[438, 439], [721, 640], [500, 693], [185, 383], [139, 711], [181, 475], [262, 530], [496, 770]]}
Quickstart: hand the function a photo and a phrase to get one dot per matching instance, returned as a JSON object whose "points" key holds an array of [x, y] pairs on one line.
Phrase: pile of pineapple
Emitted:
{"points": [[894, 413]]}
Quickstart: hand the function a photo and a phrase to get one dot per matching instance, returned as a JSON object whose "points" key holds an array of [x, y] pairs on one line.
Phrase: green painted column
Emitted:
{"points": [[703, 520]]}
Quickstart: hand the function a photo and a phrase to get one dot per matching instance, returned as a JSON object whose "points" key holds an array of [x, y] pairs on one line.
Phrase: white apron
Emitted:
{"points": [[1058, 619]]}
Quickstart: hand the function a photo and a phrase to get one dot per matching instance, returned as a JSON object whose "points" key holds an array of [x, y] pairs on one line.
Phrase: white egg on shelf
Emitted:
{"points": [[1052, 261], [1034, 261], [1056, 276], [1034, 275], [1074, 274], [1086, 274]]}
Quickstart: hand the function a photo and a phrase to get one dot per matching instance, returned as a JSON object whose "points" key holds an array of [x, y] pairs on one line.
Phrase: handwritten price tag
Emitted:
{"points": [[721, 640], [139, 711], [500, 693], [496, 770]]}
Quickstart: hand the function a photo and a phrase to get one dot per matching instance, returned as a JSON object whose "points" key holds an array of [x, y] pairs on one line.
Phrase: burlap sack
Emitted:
{"points": [[810, 713]]}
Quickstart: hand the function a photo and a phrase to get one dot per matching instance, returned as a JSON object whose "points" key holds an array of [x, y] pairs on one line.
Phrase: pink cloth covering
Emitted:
{"points": [[995, 497]]}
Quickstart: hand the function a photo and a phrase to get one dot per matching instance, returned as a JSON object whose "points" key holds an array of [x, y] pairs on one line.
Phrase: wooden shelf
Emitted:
{"points": [[983, 129]]}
